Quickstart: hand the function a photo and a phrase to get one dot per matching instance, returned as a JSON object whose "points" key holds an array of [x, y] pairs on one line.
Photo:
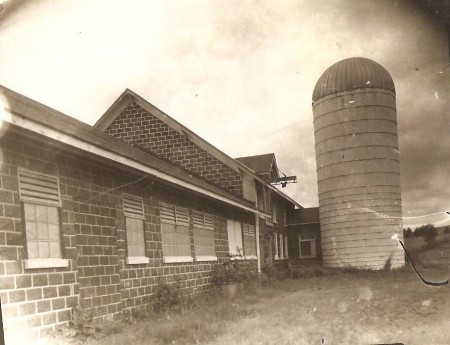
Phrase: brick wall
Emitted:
{"points": [[140, 282], [32, 300], [138, 127], [98, 281]]}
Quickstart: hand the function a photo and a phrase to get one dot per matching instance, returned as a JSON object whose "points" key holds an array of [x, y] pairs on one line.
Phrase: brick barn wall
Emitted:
{"points": [[98, 282], [137, 127], [140, 282], [32, 300]]}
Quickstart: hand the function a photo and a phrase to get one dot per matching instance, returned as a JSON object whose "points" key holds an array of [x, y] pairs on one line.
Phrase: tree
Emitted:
{"points": [[427, 232], [407, 233], [447, 230]]}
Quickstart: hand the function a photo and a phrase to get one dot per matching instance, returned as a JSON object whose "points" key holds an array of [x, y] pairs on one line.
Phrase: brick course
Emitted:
{"points": [[138, 127], [97, 281]]}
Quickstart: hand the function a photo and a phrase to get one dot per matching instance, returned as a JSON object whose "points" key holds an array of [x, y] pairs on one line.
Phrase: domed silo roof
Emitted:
{"points": [[351, 74]]}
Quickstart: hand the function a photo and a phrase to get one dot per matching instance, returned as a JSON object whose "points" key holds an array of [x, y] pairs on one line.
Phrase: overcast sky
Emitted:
{"points": [[240, 73]]}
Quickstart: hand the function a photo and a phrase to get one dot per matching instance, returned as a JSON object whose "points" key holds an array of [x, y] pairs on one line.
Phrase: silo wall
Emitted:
{"points": [[358, 173]]}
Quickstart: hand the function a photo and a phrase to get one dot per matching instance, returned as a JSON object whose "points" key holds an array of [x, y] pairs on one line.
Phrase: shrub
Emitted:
{"points": [[167, 297], [427, 232]]}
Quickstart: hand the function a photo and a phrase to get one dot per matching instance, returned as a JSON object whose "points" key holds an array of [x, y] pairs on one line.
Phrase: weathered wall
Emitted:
{"points": [[138, 127], [98, 280], [358, 174]]}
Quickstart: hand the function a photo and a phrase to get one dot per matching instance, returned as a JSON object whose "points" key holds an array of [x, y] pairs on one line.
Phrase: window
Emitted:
{"points": [[274, 211], [267, 200], [249, 241], [176, 239], [275, 237], [281, 246], [234, 237], [41, 202], [205, 249], [133, 209], [307, 244], [286, 252]]}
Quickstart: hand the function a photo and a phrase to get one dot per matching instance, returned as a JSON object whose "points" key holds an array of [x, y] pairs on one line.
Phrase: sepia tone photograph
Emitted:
{"points": [[225, 172]]}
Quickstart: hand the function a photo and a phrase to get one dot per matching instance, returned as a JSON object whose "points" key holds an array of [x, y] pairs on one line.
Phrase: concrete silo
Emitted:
{"points": [[358, 168]]}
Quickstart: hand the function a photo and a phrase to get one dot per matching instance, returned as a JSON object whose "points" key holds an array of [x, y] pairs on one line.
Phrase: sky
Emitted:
{"points": [[240, 74]]}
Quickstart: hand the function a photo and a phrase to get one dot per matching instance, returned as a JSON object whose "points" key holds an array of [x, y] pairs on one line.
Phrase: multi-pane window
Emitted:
{"points": [[281, 242], [40, 196], [307, 244], [274, 211], [133, 209], [204, 236], [234, 237], [249, 240], [286, 252], [176, 240], [275, 239], [42, 231]]}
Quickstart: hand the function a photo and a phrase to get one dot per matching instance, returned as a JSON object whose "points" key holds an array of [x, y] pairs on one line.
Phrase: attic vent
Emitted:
{"points": [[133, 206], [249, 230], [174, 214], [39, 188], [204, 221]]}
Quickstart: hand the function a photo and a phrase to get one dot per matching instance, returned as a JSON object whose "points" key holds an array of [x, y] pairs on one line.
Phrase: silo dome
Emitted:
{"points": [[351, 74], [358, 166]]}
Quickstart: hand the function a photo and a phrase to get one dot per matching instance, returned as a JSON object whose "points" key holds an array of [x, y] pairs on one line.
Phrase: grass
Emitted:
{"points": [[340, 307]]}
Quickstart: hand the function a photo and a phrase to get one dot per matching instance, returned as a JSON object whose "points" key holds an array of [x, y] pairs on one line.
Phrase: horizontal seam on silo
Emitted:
{"points": [[354, 147], [376, 185], [353, 92], [322, 237], [355, 200], [353, 107], [378, 256], [322, 218], [344, 209], [361, 173], [347, 121], [358, 160], [361, 220], [322, 205], [351, 241], [356, 226], [353, 134]]}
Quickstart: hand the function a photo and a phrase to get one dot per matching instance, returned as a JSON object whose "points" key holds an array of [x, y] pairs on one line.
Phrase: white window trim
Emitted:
{"points": [[281, 241], [135, 260], [250, 257], [313, 243], [46, 263], [172, 259], [275, 236], [206, 258]]}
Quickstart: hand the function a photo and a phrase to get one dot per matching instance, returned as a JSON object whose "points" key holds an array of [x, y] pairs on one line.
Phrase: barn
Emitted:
{"points": [[93, 219]]}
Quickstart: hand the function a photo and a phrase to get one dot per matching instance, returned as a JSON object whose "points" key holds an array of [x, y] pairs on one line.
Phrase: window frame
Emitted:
{"points": [[251, 233], [274, 211], [175, 258], [234, 254], [276, 254], [281, 241], [286, 246], [313, 245], [205, 216], [134, 212], [30, 196]]}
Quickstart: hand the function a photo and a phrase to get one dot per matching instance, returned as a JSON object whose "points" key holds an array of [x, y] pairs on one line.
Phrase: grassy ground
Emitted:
{"points": [[336, 308]]}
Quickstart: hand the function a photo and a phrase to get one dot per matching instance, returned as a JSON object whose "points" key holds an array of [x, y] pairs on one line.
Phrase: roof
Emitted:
{"points": [[260, 164], [129, 96], [303, 216], [36, 117], [351, 74], [32, 115]]}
